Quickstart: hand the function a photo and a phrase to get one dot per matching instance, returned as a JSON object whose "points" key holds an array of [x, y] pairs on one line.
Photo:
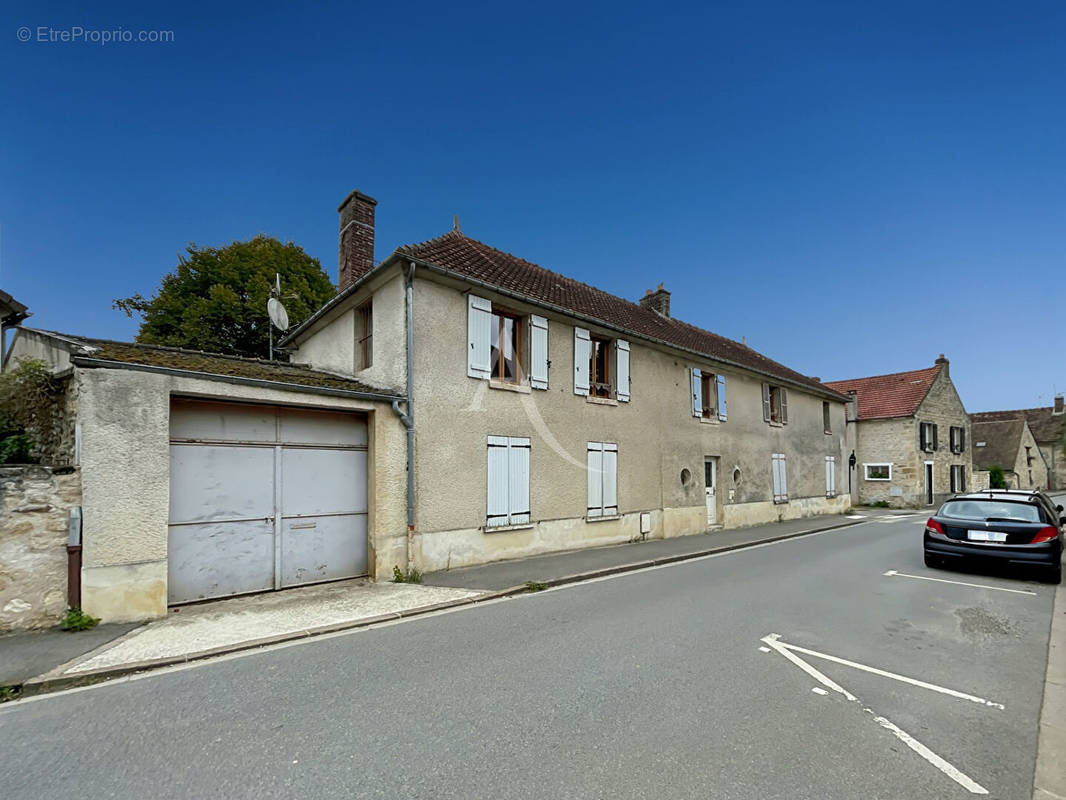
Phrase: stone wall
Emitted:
{"points": [[35, 505]]}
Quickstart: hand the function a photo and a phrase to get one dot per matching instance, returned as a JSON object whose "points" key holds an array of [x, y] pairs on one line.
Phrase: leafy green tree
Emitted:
{"points": [[28, 397], [996, 478], [215, 299]]}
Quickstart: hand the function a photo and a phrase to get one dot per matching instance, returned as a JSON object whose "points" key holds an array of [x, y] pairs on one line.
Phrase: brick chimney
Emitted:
{"points": [[943, 362], [657, 300], [1058, 408], [356, 257]]}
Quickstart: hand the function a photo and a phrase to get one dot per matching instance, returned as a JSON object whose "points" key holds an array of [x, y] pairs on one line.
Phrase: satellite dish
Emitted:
{"points": [[278, 315]]}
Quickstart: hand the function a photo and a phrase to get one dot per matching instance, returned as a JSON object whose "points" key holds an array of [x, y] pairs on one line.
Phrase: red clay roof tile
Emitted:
{"points": [[886, 396]]}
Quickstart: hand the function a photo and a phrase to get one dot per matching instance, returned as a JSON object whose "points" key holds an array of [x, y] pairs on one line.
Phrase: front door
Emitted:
{"points": [[928, 483], [710, 481]]}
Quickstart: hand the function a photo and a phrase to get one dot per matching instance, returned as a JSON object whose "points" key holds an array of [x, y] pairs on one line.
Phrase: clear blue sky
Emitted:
{"points": [[853, 188]]}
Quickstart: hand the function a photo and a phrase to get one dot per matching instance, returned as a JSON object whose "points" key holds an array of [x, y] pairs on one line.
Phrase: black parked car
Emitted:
{"points": [[1013, 527]]}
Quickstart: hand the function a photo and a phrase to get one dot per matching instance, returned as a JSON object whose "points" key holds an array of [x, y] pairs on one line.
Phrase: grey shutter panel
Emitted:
{"points": [[936, 444], [784, 476], [962, 478], [830, 476], [498, 501], [962, 444], [595, 478], [582, 354], [951, 438], [953, 470], [697, 393], [518, 480], [784, 405], [538, 352], [622, 354], [610, 479], [478, 337], [766, 402], [721, 397], [922, 443]]}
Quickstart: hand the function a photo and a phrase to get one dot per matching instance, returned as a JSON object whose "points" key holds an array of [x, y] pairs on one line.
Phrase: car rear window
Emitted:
{"points": [[990, 509]]}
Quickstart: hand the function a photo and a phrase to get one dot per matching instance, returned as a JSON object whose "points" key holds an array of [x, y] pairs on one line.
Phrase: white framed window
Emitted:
{"points": [[508, 481], [779, 473], [957, 436], [877, 472], [830, 476], [928, 437], [497, 348], [603, 479]]}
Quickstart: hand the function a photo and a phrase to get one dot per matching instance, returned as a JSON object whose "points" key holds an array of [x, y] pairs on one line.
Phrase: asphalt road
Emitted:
{"points": [[643, 685]]}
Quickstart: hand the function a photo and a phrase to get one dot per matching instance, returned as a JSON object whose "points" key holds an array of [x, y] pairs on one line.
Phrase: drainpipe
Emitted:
{"points": [[408, 418]]}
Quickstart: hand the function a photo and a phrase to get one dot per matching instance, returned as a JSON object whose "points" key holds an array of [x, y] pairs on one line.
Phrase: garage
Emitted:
{"points": [[263, 497]]}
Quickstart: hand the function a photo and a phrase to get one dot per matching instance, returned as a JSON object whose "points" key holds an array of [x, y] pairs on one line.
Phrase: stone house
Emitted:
{"points": [[1008, 444], [911, 435], [451, 405], [1048, 428]]}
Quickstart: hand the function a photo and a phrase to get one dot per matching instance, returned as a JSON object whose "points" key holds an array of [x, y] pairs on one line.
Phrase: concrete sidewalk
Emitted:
{"points": [[28, 653], [555, 568], [1049, 782]]}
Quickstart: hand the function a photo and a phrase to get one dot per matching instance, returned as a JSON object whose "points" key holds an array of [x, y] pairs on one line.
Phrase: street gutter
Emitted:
{"points": [[1049, 778], [56, 680]]}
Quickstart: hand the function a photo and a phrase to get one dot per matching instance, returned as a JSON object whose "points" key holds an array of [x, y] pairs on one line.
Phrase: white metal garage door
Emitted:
{"points": [[263, 497]]}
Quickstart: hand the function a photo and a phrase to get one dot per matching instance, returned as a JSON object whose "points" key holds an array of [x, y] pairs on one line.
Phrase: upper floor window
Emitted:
{"points": [[775, 404], [927, 437], [601, 366], [506, 346], [708, 395], [957, 436], [364, 335], [827, 419]]}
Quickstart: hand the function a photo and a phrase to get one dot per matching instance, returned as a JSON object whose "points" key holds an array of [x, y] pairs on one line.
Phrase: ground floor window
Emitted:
{"points": [[508, 483], [958, 478], [603, 479], [780, 477], [877, 472]]}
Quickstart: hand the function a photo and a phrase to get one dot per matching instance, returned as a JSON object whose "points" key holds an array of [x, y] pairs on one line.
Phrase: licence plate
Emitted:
{"points": [[986, 536]]}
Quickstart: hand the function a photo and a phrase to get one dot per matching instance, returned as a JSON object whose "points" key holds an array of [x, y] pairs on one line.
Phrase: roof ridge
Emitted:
{"points": [[886, 375], [90, 341]]}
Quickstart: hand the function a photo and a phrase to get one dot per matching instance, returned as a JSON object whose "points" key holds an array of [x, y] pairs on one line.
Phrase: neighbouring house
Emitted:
{"points": [[1048, 428], [1009, 445], [451, 405], [911, 436]]}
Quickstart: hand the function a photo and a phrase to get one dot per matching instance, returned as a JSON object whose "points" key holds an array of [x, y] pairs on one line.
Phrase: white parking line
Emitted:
{"points": [[947, 768], [894, 574], [894, 676]]}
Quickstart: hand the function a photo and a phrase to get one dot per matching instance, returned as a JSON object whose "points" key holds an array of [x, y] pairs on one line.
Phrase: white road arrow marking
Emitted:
{"points": [[948, 769]]}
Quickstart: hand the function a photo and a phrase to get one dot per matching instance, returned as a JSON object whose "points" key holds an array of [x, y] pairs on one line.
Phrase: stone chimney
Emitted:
{"points": [[356, 257], [1058, 407], [943, 362], [657, 300]]}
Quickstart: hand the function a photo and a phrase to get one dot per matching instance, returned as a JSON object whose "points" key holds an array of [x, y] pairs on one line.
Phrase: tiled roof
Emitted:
{"points": [[886, 396], [469, 258], [149, 355], [1001, 441], [1046, 426]]}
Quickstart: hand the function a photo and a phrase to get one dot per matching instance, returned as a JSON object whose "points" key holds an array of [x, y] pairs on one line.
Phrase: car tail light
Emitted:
{"points": [[933, 525], [1045, 534]]}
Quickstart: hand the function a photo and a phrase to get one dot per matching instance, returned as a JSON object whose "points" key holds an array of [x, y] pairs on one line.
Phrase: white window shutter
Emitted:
{"points": [[784, 405], [775, 473], [697, 393], [478, 337], [538, 352], [610, 480], [784, 476], [498, 489], [518, 478], [582, 354], [622, 351], [766, 402], [595, 475], [721, 397], [830, 476]]}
